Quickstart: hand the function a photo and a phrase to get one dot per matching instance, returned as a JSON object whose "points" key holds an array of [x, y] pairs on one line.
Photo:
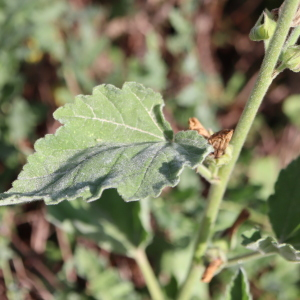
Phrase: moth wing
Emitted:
{"points": [[194, 124], [220, 141]]}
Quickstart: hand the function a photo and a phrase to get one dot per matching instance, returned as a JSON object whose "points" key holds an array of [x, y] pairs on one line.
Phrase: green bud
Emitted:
{"points": [[259, 33], [223, 160], [291, 58], [265, 30]]}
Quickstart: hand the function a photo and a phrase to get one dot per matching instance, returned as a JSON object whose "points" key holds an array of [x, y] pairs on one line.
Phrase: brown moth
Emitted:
{"points": [[218, 140], [194, 124]]}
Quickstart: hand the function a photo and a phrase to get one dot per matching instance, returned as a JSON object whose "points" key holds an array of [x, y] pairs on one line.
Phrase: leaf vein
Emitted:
{"points": [[148, 112], [90, 107], [118, 110], [120, 124], [147, 169]]}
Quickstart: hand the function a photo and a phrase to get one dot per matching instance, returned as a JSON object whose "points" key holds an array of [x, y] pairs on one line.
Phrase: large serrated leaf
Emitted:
{"points": [[239, 287], [269, 245], [111, 139], [284, 205]]}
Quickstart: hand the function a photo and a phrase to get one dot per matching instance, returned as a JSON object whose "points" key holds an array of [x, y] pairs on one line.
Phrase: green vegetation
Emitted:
{"points": [[119, 143]]}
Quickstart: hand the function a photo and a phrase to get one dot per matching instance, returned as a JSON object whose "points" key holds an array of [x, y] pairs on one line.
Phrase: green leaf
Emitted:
{"points": [[264, 171], [21, 120], [114, 225], [284, 206], [291, 108], [111, 139], [239, 287], [103, 282], [269, 245]]}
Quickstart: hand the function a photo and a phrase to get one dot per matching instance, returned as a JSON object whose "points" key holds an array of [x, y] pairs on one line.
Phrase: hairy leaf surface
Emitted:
{"points": [[111, 139]]}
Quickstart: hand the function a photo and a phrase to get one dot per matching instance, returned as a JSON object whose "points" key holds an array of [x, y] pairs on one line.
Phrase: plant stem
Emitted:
{"points": [[204, 172], [293, 38], [207, 174], [151, 281], [244, 258], [8, 279], [215, 197]]}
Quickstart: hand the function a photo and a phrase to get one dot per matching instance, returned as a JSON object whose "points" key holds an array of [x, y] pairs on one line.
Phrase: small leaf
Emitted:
{"points": [[114, 225], [239, 287], [111, 139], [104, 282], [284, 206], [269, 245], [265, 30], [290, 58]]}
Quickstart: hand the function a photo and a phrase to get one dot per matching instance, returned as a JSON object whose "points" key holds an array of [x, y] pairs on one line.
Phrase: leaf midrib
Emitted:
{"points": [[120, 124]]}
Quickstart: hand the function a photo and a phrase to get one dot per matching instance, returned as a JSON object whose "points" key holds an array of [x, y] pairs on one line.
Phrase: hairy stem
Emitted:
{"points": [[260, 88], [151, 281], [207, 174]]}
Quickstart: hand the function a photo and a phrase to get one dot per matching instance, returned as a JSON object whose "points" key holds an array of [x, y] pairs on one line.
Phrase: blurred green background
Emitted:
{"points": [[199, 56]]}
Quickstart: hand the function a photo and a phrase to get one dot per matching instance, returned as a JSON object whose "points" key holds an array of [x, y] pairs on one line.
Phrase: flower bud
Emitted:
{"points": [[291, 58], [223, 160], [265, 30]]}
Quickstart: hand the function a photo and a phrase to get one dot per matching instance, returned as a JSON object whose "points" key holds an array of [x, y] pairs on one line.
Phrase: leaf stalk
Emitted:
{"points": [[151, 281], [245, 258]]}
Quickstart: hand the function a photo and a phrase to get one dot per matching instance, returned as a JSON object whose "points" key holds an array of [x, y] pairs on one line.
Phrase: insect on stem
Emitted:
{"points": [[219, 140]]}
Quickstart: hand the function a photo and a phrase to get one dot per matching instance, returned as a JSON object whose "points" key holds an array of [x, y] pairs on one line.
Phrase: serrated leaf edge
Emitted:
{"points": [[278, 248], [14, 199]]}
